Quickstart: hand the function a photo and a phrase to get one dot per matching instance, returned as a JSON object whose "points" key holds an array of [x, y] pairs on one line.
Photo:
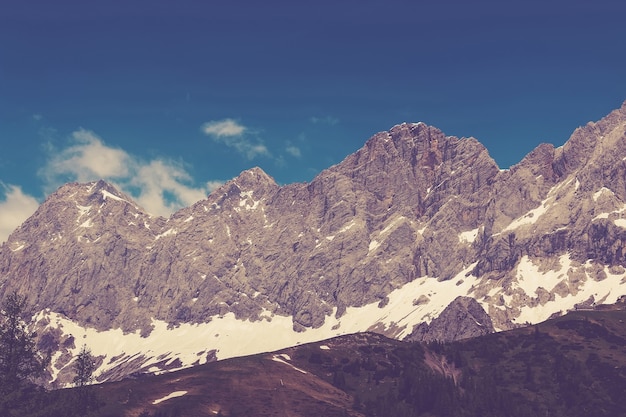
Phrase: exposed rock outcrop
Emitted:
{"points": [[461, 319]]}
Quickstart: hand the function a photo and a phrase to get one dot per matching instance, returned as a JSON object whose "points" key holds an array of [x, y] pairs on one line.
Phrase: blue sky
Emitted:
{"points": [[169, 99]]}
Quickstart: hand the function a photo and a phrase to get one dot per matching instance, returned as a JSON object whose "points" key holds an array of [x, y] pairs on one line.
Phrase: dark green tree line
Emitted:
{"points": [[22, 365], [20, 361]]}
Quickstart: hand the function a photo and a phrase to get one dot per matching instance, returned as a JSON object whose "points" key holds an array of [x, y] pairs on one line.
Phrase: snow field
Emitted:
{"points": [[230, 337], [530, 280]]}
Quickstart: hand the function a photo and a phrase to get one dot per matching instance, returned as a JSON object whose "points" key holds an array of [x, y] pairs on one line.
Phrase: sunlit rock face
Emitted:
{"points": [[385, 241]]}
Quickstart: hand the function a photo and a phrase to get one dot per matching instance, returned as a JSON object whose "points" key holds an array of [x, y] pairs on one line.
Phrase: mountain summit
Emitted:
{"points": [[383, 241]]}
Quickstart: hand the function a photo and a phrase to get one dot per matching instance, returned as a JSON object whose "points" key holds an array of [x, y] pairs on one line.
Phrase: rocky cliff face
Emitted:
{"points": [[348, 238], [414, 215], [463, 318]]}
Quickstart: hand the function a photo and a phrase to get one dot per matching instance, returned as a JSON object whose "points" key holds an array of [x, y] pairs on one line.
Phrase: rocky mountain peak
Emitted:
{"points": [[256, 180], [596, 142], [418, 144], [66, 209]]}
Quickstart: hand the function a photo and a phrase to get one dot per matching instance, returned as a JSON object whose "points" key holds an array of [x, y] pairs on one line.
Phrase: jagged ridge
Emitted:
{"points": [[414, 211]]}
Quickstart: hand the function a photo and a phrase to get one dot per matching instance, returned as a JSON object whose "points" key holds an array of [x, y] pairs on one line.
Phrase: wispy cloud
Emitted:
{"points": [[214, 185], [86, 159], [164, 187], [293, 151], [223, 128], [235, 135], [294, 147], [325, 120], [14, 209], [161, 185]]}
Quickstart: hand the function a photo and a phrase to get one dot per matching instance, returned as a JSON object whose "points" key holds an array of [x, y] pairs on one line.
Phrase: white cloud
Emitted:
{"points": [[232, 134], [214, 185], [223, 128], [251, 150], [15, 209], [161, 186], [294, 151], [88, 159]]}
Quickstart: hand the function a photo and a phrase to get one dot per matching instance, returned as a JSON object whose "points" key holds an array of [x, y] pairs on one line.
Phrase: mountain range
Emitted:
{"points": [[416, 236]]}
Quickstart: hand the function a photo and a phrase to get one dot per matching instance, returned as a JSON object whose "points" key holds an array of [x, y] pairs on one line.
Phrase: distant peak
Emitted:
{"points": [[253, 177], [104, 189], [413, 128], [256, 172], [103, 185], [94, 191], [409, 124]]}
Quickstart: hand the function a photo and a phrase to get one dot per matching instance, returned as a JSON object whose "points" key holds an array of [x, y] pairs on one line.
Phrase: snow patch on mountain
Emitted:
{"points": [[82, 210], [614, 212], [87, 223], [107, 194], [530, 217], [600, 192], [17, 246], [529, 278], [383, 234], [169, 396], [168, 232], [589, 287], [468, 236], [283, 358], [225, 336]]}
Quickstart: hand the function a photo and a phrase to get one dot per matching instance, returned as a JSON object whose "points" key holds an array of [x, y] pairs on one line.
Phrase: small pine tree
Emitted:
{"points": [[84, 366], [20, 361]]}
